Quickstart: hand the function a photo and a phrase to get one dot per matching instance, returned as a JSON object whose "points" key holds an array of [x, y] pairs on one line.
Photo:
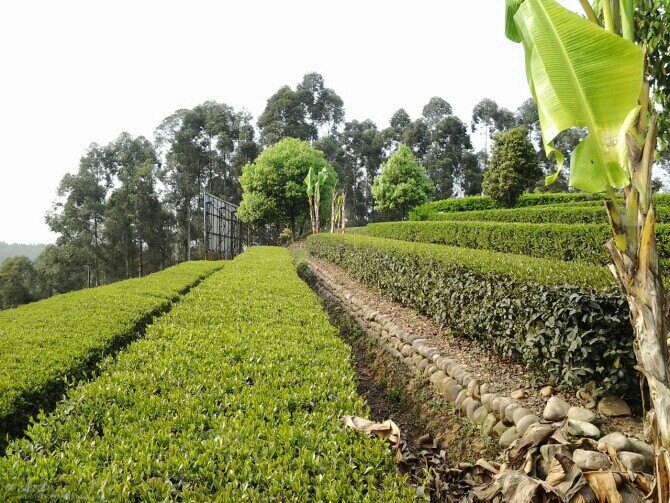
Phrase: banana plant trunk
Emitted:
{"points": [[635, 264]]}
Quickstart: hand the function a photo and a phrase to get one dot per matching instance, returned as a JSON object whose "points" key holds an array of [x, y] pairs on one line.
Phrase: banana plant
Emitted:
{"points": [[589, 72], [314, 184]]}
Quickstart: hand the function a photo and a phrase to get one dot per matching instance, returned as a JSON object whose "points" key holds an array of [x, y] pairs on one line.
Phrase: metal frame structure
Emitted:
{"points": [[224, 232]]}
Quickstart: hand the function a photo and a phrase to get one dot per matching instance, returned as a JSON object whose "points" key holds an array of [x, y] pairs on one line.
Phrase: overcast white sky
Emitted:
{"points": [[76, 72]]}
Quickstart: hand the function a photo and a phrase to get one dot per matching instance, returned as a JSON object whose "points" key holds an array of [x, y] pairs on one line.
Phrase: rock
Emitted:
{"points": [[471, 408], [546, 392], [632, 460], [590, 460], [583, 429], [517, 395], [484, 388], [473, 388], [464, 405], [613, 406], [437, 377], [461, 397], [502, 405], [646, 450], [523, 423], [556, 409], [637, 445], [536, 427], [494, 404], [488, 424], [519, 413], [618, 441], [452, 392], [500, 428], [508, 415], [479, 415], [429, 370], [487, 398], [582, 414], [508, 438]]}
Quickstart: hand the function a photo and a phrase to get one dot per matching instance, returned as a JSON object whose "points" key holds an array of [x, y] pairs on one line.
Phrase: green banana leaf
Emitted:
{"points": [[580, 75], [311, 181]]}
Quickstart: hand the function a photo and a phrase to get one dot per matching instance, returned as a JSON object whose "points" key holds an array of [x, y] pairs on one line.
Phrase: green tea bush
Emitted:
{"points": [[235, 395], [559, 214], [45, 343], [581, 242], [428, 211], [565, 321]]}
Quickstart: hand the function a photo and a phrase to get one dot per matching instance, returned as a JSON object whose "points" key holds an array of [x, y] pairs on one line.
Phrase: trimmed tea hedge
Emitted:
{"points": [[45, 343], [235, 395], [559, 214], [428, 211], [562, 320], [560, 241]]}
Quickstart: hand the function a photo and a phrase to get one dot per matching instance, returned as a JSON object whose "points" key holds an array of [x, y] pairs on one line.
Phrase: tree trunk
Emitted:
{"points": [[635, 264]]}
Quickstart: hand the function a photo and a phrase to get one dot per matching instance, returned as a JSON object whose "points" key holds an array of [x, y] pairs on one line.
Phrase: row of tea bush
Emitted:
{"points": [[565, 321], [235, 395], [47, 343]]}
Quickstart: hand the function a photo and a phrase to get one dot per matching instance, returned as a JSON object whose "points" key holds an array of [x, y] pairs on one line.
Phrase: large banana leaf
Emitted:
{"points": [[580, 75]]}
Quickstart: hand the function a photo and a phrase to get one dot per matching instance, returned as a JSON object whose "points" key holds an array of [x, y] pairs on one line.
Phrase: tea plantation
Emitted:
{"points": [[235, 395]]}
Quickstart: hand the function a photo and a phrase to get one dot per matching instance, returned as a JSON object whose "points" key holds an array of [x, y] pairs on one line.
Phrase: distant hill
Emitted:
{"points": [[16, 249]]}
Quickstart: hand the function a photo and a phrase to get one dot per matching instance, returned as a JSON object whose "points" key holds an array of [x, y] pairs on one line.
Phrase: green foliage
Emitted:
{"points": [[605, 79], [274, 184], [402, 184], [44, 343], [234, 397], [652, 31], [559, 214], [474, 203], [558, 241], [8, 250], [18, 282], [562, 320], [513, 167]]}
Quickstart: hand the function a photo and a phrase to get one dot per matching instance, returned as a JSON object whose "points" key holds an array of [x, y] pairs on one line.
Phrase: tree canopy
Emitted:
{"points": [[274, 187], [401, 184]]}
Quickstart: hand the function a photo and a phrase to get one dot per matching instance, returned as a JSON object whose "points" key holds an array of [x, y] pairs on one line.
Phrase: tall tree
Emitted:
{"points": [[324, 108], [302, 113], [491, 117], [203, 149], [78, 214], [362, 151], [60, 269]]}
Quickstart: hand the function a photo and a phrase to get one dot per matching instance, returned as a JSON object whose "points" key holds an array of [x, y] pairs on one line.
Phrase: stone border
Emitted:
{"points": [[494, 414]]}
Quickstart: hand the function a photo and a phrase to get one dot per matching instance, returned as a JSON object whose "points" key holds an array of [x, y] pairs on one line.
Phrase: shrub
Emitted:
{"points": [[559, 241], [559, 214], [429, 211], [235, 395], [513, 167], [401, 184], [48, 342], [565, 321]]}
